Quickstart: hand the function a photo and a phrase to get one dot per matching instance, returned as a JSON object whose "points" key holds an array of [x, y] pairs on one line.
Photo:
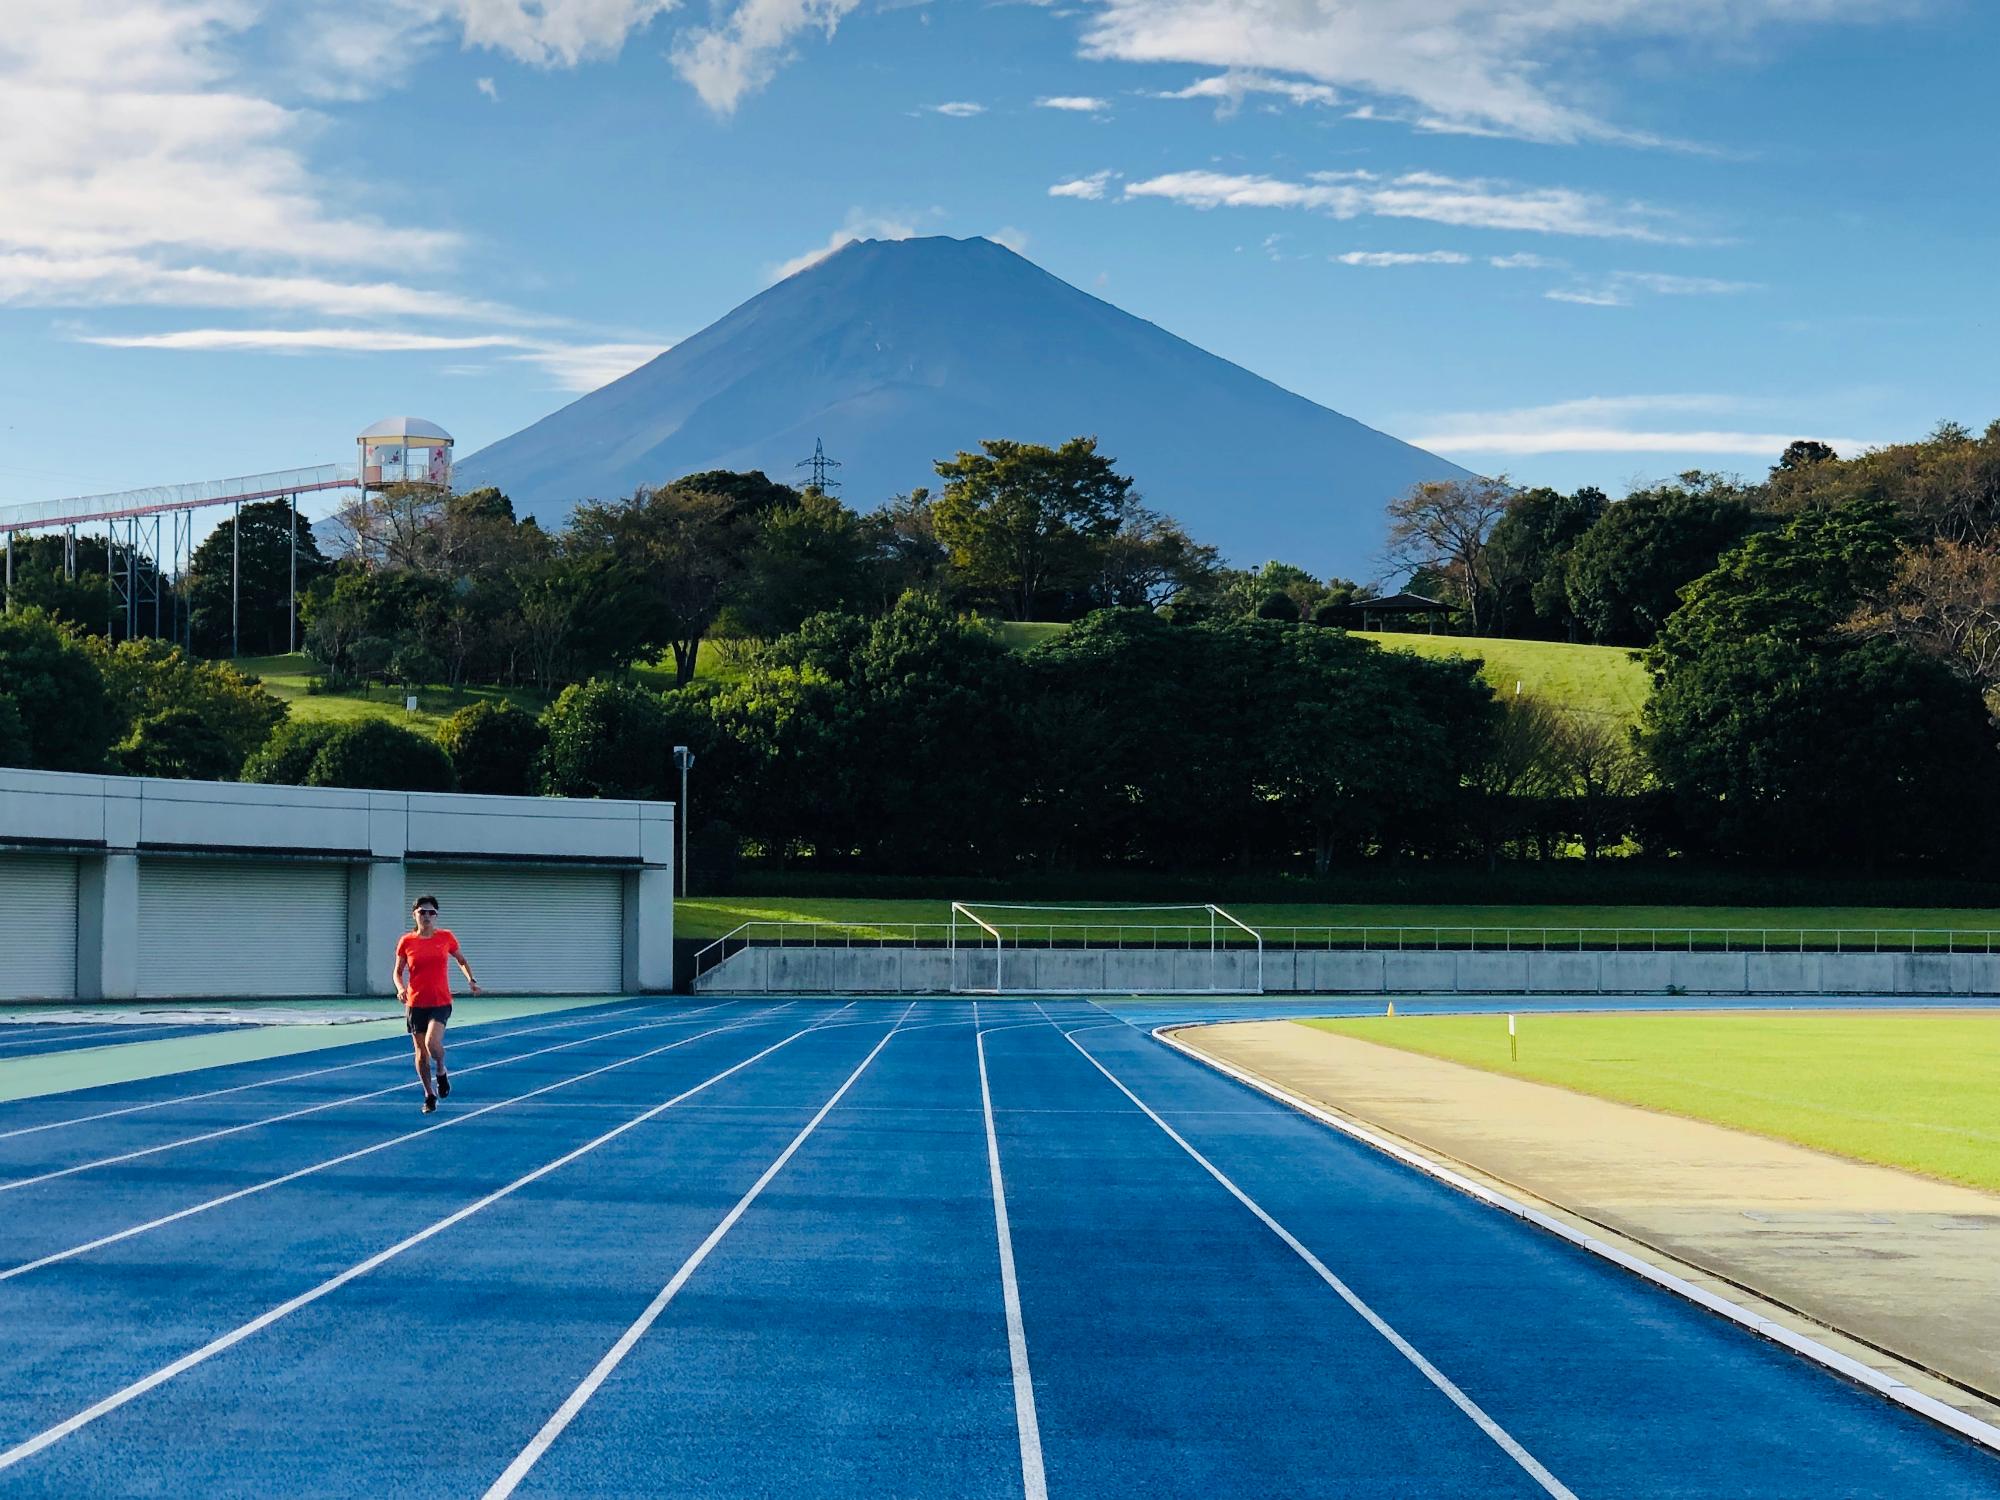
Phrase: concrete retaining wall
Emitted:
{"points": [[892, 971]]}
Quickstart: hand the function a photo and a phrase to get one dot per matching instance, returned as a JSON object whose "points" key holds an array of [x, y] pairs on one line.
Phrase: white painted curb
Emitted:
{"points": [[1982, 1433]]}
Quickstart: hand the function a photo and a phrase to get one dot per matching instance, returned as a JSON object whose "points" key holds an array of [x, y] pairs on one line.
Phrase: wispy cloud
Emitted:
{"points": [[573, 367], [1403, 258], [1482, 203], [1615, 424], [1092, 187], [1230, 89], [1472, 66], [1082, 104], [859, 226], [958, 109], [1620, 288], [488, 87], [1526, 260]]}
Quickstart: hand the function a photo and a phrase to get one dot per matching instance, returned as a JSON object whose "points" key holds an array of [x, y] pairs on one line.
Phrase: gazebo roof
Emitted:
{"points": [[1405, 603], [407, 428]]}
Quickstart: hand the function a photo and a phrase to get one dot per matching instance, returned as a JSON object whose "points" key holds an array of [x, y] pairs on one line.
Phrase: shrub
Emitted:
{"points": [[415, 664], [180, 745], [370, 656], [58, 693], [385, 757], [287, 756], [144, 679], [493, 747], [606, 739], [1277, 607]]}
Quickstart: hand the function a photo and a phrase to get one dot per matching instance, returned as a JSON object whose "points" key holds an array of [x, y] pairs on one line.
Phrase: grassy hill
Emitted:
{"points": [[1603, 678], [286, 676]]}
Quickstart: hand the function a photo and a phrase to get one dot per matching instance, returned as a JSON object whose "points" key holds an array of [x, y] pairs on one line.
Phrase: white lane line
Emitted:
{"points": [[126, 1030], [1034, 1485], [401, 1056], [133, 1231], [527, 1458], [1846, 1366], [263, 1320], [310, 1109], [1403, 1346]]}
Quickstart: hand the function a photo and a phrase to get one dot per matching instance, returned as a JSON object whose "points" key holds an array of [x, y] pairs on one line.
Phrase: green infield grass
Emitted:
{"points": [[1913, 1089], [1633, 925]]}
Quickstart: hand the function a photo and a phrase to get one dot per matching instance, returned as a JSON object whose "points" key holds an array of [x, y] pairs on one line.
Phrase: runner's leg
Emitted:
{"points": [[434, 1041], [423, 1063]]}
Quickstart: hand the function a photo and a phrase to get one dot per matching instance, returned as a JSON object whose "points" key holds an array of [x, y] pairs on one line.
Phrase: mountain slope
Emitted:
{"points": [[900, 352]]}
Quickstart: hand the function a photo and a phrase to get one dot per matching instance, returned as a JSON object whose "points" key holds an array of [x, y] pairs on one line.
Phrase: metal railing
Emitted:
{"points": [[1399, 939]]}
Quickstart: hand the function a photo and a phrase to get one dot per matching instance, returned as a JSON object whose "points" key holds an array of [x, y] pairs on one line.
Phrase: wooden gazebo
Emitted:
{"points": [[1404, 612]]}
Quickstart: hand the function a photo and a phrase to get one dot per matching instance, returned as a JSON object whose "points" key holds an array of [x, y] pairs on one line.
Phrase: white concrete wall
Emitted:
{"points": [[111, 822], [841, 971]]}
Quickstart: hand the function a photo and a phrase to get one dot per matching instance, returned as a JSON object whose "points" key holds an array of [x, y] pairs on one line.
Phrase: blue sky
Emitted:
{"points": [[1578, 241]]}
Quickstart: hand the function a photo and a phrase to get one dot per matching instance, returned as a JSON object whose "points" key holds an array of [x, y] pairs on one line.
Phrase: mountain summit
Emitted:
{"points": [[899, 352]]}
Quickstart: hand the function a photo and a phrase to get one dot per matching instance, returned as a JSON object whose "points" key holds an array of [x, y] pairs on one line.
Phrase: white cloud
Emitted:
{"points": [[859, 226], [1584, 297], [1082, 104], [1402, 258], [959, 109], [1619, 287], [585, 367], [1091, 187], [725, 62], [1474, 66], [1230, 89], [1471, 202], [301, 340], [488, 87], [574, 367], [1525, 260], [1604, 424]]}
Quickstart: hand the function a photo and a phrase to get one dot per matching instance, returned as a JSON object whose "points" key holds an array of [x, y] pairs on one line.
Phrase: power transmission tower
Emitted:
{"points": [[819, 463]]}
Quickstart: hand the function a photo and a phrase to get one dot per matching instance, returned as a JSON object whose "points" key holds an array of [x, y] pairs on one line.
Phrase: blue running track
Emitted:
{"points": [[755, 1248]]}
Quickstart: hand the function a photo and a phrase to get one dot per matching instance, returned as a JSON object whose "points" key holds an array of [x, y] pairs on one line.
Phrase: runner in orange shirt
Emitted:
{"points": [[423, 982]]}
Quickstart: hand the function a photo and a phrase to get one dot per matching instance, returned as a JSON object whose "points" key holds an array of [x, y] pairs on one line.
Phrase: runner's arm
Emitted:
{"points": [[458, 955]]}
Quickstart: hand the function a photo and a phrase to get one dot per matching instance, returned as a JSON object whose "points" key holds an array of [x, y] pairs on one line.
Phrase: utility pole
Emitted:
{"points": [[683, 758]]}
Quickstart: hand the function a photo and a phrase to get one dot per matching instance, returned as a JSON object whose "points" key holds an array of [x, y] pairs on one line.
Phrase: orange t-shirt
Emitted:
{"points": [[428, 959]]}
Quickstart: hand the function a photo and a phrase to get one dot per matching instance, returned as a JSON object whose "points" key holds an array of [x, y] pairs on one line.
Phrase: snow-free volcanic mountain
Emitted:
{"points": [[900, 352]]}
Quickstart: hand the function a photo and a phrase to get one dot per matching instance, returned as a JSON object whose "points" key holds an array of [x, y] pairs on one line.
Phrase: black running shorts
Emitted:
{"points": [[421, 1016]]}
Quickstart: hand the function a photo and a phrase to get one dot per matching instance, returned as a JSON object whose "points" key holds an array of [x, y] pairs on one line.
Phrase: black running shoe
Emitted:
{"points": [[444, 1087], [430, 1103]]}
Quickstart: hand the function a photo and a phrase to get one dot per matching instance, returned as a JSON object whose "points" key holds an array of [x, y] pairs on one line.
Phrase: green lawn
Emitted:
{"points": [[1911, 1091], [1602, 678], [285, 677], [711, 917]]}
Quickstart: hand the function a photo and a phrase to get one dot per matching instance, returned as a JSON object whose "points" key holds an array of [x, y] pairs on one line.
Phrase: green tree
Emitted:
{"points": [[57, 691], [179, 745], [808, 557], [673, 558], [1528, 560], [14, 747], [607, 739], [148, 678], [1799, 582], [1845, 753], [1626, 572], [264, 597], [1021, 520], [40, 582], [376, 754], [494, 747], [286, 758]]}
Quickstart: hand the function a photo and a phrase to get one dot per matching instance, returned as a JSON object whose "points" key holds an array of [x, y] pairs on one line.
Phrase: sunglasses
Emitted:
{"points": [[427, 911]]}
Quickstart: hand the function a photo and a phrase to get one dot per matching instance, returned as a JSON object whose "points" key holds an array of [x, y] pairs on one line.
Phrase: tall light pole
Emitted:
{"points": [[684, 759]]}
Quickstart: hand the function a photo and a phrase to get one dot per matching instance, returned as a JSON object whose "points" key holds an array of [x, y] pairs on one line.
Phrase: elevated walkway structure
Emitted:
{"points": [[157, 523]]}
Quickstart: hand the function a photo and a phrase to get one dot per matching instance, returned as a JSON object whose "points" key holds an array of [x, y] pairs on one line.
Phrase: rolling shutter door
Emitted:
{"points": [[37, 927], [219, 927], [531, 932]]}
